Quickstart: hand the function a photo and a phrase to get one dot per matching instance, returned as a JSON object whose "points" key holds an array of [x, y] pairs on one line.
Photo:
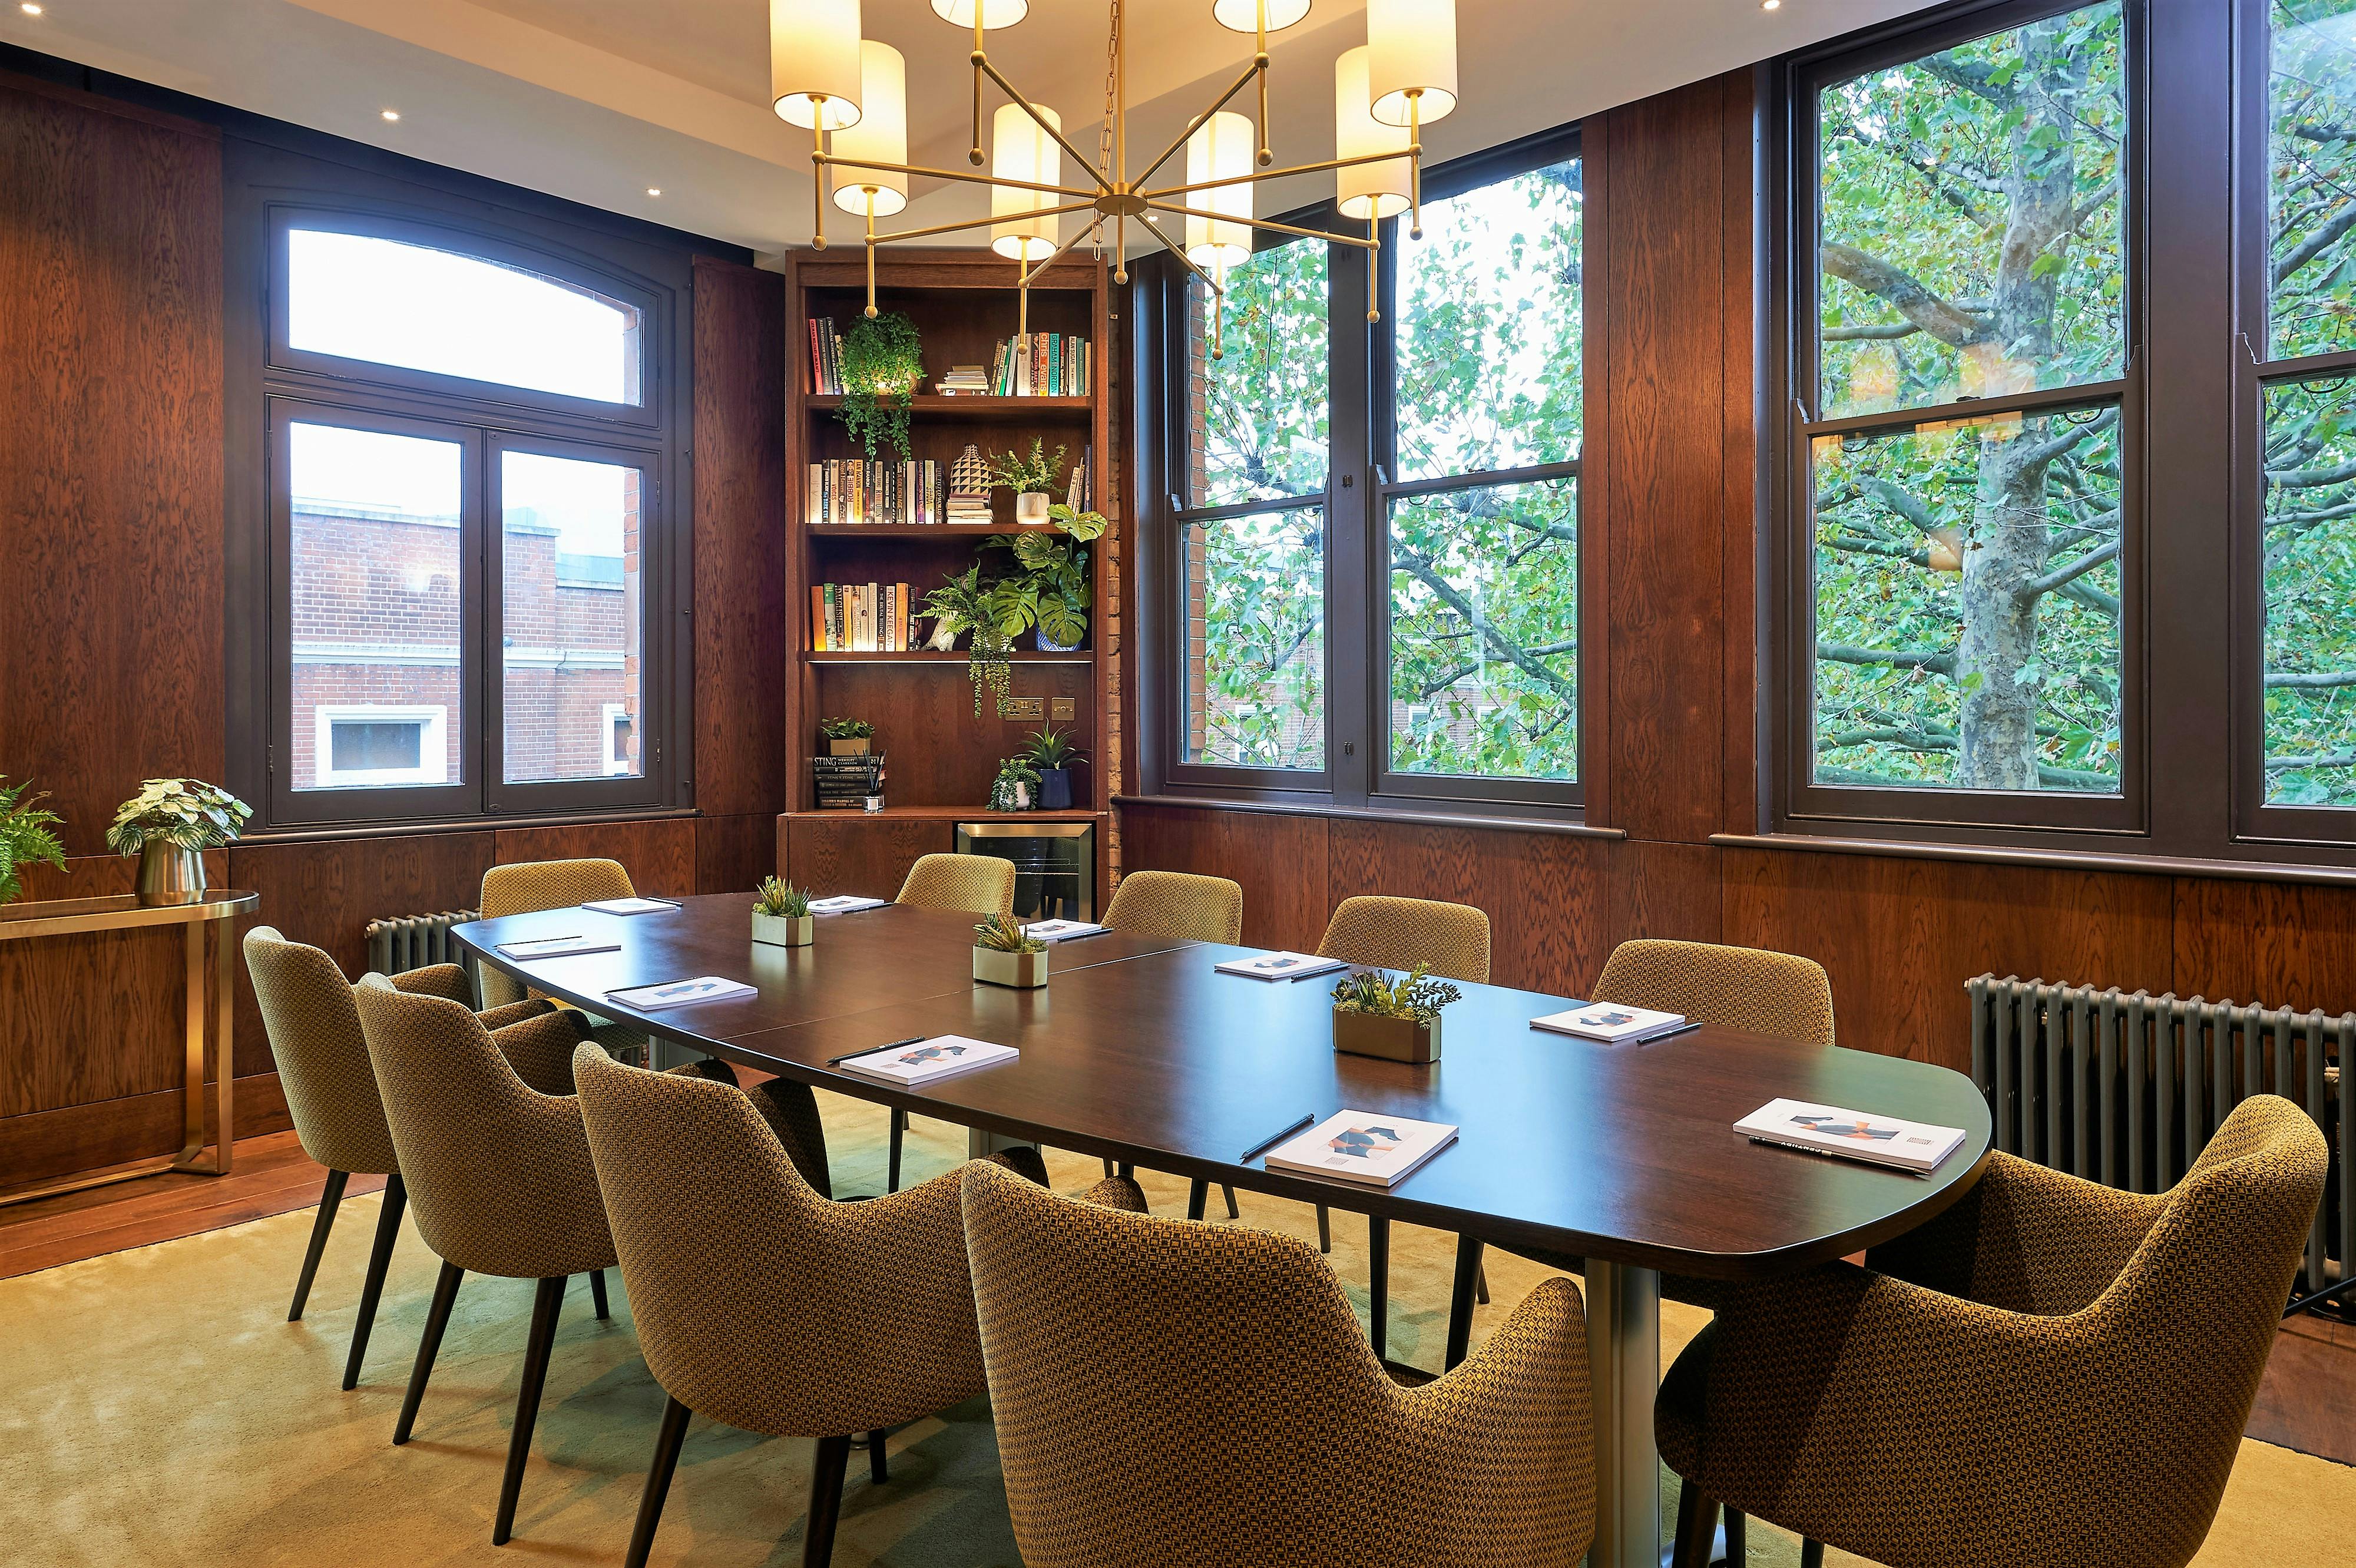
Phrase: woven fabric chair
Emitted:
{"points": [[760, 1303], [2049, 1374], [977, 884], [498, 1174], [1179, 905], [331, 1094], [1198, 1397], [531, 885]]}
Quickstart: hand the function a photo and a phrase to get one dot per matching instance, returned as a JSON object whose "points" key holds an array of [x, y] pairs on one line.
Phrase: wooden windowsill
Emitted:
{"points": [[1423, 818], [943, 814], [2054, 859]]}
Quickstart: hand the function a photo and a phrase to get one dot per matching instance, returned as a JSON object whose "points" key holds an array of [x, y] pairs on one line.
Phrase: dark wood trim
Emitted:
{"points": [[2012, 854], [15, 80], [1558, 825]]}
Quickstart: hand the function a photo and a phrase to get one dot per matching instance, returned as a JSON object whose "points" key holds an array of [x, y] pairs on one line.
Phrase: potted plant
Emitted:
{"points": [[1052, 753], [883, 362], [1031, 478], [1016, 788], [25, 836], [966, 603], [1005, 954], [168, 825], [1399, 1020], [781, 915], [847, 738], [1051, 590]]}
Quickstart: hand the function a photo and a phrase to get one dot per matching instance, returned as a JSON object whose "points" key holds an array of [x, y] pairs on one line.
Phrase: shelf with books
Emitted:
{"points": [[925, 532], [980, 405], [933, 656]]}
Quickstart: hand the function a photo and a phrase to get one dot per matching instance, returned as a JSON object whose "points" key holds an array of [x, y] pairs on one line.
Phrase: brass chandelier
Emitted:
{"points": [[851, 94]]}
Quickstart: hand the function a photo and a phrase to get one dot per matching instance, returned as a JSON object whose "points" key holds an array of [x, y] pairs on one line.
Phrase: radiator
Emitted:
{"points": [[413, 941], [2126, 1089]]}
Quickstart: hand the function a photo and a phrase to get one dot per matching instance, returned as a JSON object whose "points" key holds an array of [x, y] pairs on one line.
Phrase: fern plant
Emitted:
{"points": [[968, 604], [883, 360], [26, 836]]}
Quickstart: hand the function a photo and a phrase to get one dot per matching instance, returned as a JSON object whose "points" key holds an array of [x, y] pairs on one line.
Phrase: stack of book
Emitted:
{"points": [[860, 617], [1081, 494], [963, 379], [845, 783], [969, 506], [826, 358], [1041, 364], [844, 489]]}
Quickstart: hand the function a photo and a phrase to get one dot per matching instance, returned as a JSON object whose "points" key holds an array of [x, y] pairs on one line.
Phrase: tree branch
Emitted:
{"points": [[2326, 234], [1937, 660], [1880, 334], [1447, 594], [2320, 681], [1914, 299], [2064, 575]]}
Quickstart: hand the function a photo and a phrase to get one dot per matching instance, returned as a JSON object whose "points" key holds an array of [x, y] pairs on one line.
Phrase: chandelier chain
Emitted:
{"points": [[1104, 130]]}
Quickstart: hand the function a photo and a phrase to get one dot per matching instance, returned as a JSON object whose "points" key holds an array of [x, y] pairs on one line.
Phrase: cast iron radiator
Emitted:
{"points": [[413, 941], [2126, 1089]]}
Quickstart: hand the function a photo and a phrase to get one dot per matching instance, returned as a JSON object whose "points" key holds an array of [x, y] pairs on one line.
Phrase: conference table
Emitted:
{"points": [[1139, 1051]]}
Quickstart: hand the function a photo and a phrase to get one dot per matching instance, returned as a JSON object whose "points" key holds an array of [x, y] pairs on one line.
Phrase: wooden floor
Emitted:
{"points": [[269, 1175]]}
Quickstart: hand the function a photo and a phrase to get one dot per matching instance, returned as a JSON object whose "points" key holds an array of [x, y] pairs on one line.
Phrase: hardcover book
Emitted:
{"points": [[1830, 1130], [1363, 1146], [928, 1059]]}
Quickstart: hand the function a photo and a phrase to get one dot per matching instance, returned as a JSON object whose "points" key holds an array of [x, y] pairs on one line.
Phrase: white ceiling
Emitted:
{"points": [[597, 99]]}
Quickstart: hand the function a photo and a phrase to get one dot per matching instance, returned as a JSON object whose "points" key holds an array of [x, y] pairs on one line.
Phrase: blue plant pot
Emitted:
{"points": [[1054, 788]]}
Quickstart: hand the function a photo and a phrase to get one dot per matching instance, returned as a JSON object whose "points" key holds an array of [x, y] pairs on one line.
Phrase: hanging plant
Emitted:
{"points": [[883, 362], [966, 603]]}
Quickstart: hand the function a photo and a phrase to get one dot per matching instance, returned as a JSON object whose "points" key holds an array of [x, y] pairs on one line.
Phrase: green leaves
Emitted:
{"points": [[25, 836], [183, 812], [883, 360]]}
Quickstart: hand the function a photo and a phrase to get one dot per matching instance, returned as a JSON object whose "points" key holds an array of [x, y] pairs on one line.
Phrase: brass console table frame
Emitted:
{"points": [[66, 916]]}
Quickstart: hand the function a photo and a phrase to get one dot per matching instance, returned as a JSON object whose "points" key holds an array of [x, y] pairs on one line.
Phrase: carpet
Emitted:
{"points": [[156, 1408]]}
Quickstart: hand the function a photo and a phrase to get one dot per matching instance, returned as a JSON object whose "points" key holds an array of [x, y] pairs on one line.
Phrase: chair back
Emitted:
{"points": [[977, 884], [498, 1174], [1177, 905], [534, 885], [323, 1060], [754, 1305], [1452, 941], [1733, 988], [1187, 1394]]}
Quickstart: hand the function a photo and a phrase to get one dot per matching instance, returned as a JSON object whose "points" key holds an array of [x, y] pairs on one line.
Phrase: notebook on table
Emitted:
{"points": [[1830, 1130], [679, 993], [631, 906], [1283, 965], [845, 904], [557, 946], [925, 1060], [1363, 1146], [1062, 930], [1611, 1023]]}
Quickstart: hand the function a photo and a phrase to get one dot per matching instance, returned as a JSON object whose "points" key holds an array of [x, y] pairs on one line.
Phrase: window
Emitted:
{"points": [[1961, 465], [363, 744], [571, 645], [1369, 576]]}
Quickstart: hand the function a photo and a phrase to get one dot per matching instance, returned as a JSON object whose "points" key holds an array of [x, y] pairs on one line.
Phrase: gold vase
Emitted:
{"points": [[169, 873]]}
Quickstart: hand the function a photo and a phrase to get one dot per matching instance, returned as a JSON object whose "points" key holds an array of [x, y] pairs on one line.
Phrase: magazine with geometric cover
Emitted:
{"points": [[1831, 1130], [927, 1060], [1609, 1021], [557, 946], [679, 993], [631, 906], [1062, 930], [1363, 1146], [1283, 965], [845, 904]]}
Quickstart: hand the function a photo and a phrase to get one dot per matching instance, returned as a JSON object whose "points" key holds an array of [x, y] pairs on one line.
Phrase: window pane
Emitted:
{"points": [[2310, 594], [1972, 233], [1256, 414], [2313, 194], [373, 580], [422, 309], [1966, 582], [1255, 676], [1485, 632], [570, 650], [1488, 328]]}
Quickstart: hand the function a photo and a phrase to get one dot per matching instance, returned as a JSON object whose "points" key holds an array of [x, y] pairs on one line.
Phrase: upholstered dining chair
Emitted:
{"points": [[526, 887], [976, 884], [2050, 1373], [331, 1094], [498, 1174], [761, 1305], [1178, 905], [1194, 1397]]}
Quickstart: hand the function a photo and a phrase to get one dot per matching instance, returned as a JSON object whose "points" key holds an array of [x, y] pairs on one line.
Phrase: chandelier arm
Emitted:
{"points": [[1077, 192], [1031, 272], [1209, 282], [1273, 174], [1195, 124], [1258, 224], [1028, 108], [981, 223]]}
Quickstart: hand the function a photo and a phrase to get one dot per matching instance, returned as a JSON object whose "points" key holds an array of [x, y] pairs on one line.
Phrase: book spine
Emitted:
{"points": [[900, 619], [818, 365], [818, 618], [1055, 365], [872, 599]]}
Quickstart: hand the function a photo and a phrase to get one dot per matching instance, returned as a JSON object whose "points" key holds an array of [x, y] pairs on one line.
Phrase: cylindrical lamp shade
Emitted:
{"points": [[1220, 148], [1411, 50], [1366, 190], [881, 137], [1244, 16], [814, 63], [994, 13], [1019, 149]]}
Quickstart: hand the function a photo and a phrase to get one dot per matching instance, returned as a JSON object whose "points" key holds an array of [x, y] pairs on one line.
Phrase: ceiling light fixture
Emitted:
{"points": [[30, 8], [654, 190], [1771, 4], [1403, 79], [390, 115]]}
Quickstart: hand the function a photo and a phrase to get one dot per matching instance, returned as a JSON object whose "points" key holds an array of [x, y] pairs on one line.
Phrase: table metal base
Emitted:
{"points": [[1623, 1366]]}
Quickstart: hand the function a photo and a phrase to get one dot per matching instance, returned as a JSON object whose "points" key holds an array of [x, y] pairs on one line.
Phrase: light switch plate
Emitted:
{"points": [[1066, 708], [1031, 709]]}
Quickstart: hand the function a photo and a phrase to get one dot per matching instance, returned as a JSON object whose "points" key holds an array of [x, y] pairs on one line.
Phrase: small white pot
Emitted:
{"points": [[1030, 509]]}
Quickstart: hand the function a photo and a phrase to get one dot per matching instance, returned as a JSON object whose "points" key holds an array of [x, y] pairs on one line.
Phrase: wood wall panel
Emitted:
{"points": [[870, 857], [1547, 896], [1667, 890], [2270, 942], [937, 752], [740, 620], [90, 1137], [732, 854], [110, 451], [1279, 861], [659, 853]]}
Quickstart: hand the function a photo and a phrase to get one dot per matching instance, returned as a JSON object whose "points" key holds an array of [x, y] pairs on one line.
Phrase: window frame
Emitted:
{"points": [[432, 720]]}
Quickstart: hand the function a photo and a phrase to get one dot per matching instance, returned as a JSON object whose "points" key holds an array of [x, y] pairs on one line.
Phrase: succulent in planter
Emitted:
{"points": [[1398, 1019], [1016, 788], [168, 825], [1031, 478], [781, 915], [1006, 954], [1051, 752], [26, 836], [882, 361], [847, 738]]}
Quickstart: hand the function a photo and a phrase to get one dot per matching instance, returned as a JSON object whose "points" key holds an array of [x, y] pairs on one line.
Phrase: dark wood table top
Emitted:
{"points": [[1140, 1051]]}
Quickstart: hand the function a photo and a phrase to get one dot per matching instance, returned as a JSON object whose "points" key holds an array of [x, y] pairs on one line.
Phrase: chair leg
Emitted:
{"points": [[1696, 1528], [545, 1304], [658, 1474], [1198, 1198], [1737, 1547], [1324, 1229], [1811, 1554], [1233, 1212], [598, 1292], [388, 1231], [1480, 1283], [330, 1198], [1460, 1301], [1378, 1283], [892, 1174], [879, 1469], [1108, 1163], [826, 1500], [429, 1344]]}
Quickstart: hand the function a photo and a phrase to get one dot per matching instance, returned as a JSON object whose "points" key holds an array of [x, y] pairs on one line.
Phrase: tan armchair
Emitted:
{"points": [[1177, 905], [331, 1094], [976, 884], [530, 885], [1198, 1397], [761, 1305], [2049, 1374]]}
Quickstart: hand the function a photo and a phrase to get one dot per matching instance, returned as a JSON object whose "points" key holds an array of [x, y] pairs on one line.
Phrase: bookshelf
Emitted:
{"points": [[942, 758]]}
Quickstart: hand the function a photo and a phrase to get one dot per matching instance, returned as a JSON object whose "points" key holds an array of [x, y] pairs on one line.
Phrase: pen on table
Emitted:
{"points": [[1671, 1034], [1265, 1145], [871, 1050], [1084, 936]]}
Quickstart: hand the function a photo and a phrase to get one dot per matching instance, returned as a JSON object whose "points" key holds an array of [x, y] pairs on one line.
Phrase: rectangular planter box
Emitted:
{"points": [[1025, 970], [1393, 1039], [859, 746], [781, 931]]}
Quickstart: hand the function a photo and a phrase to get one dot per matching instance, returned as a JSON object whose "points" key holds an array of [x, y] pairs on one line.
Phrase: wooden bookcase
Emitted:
{"points": [[942, 759]]}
